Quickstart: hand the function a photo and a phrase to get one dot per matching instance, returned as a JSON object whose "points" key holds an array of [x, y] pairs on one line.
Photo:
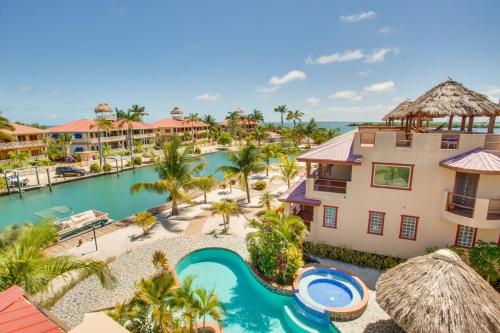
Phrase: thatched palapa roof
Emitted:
{"points": [[452, 98], [400, 111], [103, 107], [438, 292]]}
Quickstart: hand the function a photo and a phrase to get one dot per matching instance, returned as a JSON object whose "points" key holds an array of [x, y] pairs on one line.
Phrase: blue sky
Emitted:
{"points": [[335, 60]]}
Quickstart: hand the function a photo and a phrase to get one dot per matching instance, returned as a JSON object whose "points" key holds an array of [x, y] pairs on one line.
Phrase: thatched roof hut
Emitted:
{"points": [[103, 107], [451, 98], [438, 292], [399, 111]]}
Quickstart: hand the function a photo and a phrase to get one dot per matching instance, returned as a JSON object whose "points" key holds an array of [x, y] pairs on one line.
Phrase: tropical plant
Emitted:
{"points": [[282, 110], [294, 116], [134, 114], [485, 259], [19, 159], [256, 116], [208, 304], [309, 128], [23, 261], [145, 220], [64, 141], [95, 168], [226, 209], [102, 125], [259, 134], [267, 152], [266, 199], [288, 170], [229, 176], [259, 185], [192, 117], [6, 125], [244, 162], [224, 139], [186, 136], [205, 184], [176, 171], [213, 127]]}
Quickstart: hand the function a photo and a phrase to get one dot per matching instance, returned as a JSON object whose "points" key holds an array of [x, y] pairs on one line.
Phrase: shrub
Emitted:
{"points": [[364, 259], [223, 186], [260, 185], [95, 168], [197, 151], [137, 160], [107, 167]]}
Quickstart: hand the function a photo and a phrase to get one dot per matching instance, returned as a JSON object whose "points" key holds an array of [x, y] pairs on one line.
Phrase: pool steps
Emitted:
{"points": [[316, 315], [290, 315]]}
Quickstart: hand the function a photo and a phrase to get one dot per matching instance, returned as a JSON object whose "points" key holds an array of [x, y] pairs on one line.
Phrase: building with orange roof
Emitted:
{"points": [[25, 139], [178, 125]]}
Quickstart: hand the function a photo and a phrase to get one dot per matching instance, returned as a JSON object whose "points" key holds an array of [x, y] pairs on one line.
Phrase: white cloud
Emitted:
{"points": [[289, 77], [358, 17], [25, 88], [380, 87], [208, 98], [378, 55], [364, 73], [313, 101], [493, 93], [267, 90], [348, 55], [352, 95], [385, 30]]}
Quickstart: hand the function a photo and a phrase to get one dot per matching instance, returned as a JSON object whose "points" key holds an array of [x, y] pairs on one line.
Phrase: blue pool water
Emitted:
{"points": [[329, 293], [250, 307], [106, 193]]}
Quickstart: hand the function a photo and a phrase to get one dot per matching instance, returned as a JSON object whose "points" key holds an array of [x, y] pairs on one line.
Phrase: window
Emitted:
{"points": [[408, 228], [78, 135], [55, 135], [330, 217], [78, 149], [397, 176], [376, 223], [466, 236]]}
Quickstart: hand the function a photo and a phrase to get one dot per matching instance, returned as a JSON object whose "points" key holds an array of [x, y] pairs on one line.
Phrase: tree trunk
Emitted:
{"points": [[203, 326], [267, 167], [247, 188], [175, 210], [205, 196], [99, 146], [288, 182]]}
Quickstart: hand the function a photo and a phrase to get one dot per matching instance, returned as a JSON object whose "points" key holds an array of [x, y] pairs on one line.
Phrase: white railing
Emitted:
{"points": [[21, 144], [143, 136], [109, 139]]}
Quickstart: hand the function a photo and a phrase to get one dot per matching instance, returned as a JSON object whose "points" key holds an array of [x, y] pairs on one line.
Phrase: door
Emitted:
{"points": [[465, 191]]}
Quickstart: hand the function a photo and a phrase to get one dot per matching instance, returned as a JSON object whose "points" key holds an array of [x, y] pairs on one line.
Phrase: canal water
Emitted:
{"points": [[105, 193]]}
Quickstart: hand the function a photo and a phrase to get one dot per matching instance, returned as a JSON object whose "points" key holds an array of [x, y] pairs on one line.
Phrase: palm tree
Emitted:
{"points": [[6, 125], [266, 199], [243, 163], [281, 109], [212, 125], [226, 209], [294, 116], [176, 171], [23, 261], [134, 114], [104, 125], [145, 220], [256, 116], [233, 123], [267, 152], [160, 261], [20, 159], [119, 113], [192, 118], [64, 141], [288, 170], [230, 177], [208, 304], [259, 134], [206, 184], [187, 301], [309, 129]]}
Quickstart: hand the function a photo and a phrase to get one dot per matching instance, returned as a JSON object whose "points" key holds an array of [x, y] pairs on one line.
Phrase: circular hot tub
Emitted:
{"points": [[332, 292]]}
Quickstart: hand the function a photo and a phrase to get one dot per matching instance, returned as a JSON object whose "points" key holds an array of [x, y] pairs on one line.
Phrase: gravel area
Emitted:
{"points": [[130, 267]]}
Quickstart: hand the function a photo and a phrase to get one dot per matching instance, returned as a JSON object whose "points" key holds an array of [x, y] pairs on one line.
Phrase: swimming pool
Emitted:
{"points": [[107, 193], [250, 307]]}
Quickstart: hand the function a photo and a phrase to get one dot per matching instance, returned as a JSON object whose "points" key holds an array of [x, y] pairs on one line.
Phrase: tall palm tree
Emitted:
{"points": [[256, 116], [281, 109], [134, 114], [226, 209], [288, 170], [192, 118], [259, 134], [212, 126], [187, 301], [6, 125], [64, 141], [206, 184], [267, 152], [244, 162], [309, 129], [23, 261], [266, 199], [230, 177], [294, 116], [119, 113], [102, 125], [176, 171], [208, 304], [233, 123]]}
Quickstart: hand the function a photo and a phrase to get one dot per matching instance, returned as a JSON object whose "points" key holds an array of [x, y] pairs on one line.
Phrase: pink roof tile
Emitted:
{"points": [[172, 123], [89, 125], [337, 150], [476, 161], [22, 129], [297, 194], [19, 315]]}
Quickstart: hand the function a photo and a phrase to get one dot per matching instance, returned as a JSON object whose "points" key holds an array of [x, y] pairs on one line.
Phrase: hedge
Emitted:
{"points": [[363, 259]]}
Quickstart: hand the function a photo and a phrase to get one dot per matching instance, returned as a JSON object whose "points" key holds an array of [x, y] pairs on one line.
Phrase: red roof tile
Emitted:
{"points": [[337, 150], [172, 123], [89, 125], [476, 161], [297, 194], [22, 129], [19, 315]]}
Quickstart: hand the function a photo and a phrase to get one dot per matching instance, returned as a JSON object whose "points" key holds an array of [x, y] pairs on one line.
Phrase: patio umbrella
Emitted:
{"points": [[438, 292]]}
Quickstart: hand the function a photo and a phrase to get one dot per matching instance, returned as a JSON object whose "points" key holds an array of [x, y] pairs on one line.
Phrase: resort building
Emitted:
{"points": [[178, 125], [26, 139], [245, 122], [398, 190]]}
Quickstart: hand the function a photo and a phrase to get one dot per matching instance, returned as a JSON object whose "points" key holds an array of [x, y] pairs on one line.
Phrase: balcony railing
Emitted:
{"points": [[144, 136], [403, 139], [367, 139], [109, 139], [472, 207], [492, 142], [450, 141], [461, 204], [330, 185], [21, 144], [493, 210]]}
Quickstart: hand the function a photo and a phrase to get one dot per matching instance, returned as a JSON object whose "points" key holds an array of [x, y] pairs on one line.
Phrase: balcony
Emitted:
{"points": [[108, 139], [471, 211], [306, 213], [404, 139], [21, 144], [144, 136], [450, 141], [330, 185]]}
